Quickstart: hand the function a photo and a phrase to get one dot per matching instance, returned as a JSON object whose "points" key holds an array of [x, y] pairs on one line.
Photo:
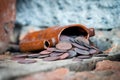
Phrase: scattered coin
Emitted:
{"points": [[33, 55], [80, 51], [79, 46], [45, 52], [64, 38], [55, 54], [64, 56], [84, 57], [43, 56], [64, 46], [72, 53], [21, 55], [24, 61], [93, 51], [51, 58]]}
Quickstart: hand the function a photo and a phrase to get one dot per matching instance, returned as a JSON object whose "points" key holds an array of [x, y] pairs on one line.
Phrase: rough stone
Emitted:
{"points": [[106, 65], [93, 13]]}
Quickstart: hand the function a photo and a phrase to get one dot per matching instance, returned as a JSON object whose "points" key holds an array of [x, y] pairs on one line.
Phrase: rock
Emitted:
{"points": [[107, 65], [97, 14]]}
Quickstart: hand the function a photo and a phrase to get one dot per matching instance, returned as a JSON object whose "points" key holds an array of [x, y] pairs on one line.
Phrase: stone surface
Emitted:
{"points": [[93, 13], [106, 64], [65, 74], [10, 69]]}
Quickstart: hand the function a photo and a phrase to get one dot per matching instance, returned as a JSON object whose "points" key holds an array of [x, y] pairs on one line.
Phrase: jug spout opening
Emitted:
{"points": [[75, 31]]}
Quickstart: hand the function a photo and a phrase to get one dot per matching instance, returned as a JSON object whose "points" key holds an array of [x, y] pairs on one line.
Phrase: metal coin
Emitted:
{"points": [[26, 61], [72, 53], [64, 46], [51, 58], [64, 56], [80, 51], [44, 56], [45, 52], [64, 38], [50, 49], [93, 51], [21, 56], [79, 46], [82, 40], [84, 57], [33, 55], [55, 54]]}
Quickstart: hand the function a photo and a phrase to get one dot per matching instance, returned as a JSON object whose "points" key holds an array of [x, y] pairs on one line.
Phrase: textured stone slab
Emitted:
{"points": [[10, 68]]}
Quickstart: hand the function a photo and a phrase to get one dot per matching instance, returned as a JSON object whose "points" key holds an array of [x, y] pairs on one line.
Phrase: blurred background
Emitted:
{"points": [[92, 13]]}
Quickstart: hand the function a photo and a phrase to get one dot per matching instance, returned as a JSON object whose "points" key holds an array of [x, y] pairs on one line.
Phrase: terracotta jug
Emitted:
{"points": [[42, 39]]}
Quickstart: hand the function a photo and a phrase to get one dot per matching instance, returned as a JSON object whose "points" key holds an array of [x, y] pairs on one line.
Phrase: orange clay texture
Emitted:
{"points": [[36, 40]]}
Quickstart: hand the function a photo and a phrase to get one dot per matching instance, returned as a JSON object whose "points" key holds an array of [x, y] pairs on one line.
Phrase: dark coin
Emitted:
{"points": [[21, 56], [51, 58], [64, 46], [72, 40], [80, 51], [101, 55], [43, 56], [59, 51], [64, 38], [55, 54], [82, 40], [26, 61], [33, 55], [79, 46], [51, 49], [93, 51], [64, 56], [45, 52], [72, 53], [84, 57]]}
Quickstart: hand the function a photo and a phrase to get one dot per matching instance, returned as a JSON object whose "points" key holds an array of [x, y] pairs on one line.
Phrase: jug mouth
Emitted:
{"points": [[75, 30]]}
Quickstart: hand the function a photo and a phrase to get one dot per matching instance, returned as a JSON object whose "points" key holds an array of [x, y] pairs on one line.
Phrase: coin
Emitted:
{"points": [[82, 40], [51, 58], [33, 55], [21, 55], [72, 53], [43, 56], [83, 57], [80, 51], [24, 61], [50, 49], [64, 38], [64, 46], [79, 46], [55, 54], [64, 56], [93, 51], [45, 52]]}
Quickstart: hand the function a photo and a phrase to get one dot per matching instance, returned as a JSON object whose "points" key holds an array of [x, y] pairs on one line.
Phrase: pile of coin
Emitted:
{"points": [[76, 47]]}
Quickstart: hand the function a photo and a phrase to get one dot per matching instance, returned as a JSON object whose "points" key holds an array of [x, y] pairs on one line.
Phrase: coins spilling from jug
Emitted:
{"points": [[70, 47], [76, 47]]}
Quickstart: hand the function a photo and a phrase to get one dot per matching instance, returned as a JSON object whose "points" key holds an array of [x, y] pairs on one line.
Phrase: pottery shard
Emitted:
{"points": [[64, 46]]}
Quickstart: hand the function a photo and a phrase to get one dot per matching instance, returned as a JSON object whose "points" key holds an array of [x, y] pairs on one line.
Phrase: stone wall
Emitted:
{"points": [[92, 13]]}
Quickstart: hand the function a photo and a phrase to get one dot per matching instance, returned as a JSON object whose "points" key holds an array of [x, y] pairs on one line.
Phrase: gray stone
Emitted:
{"points": [[93, 13]]}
